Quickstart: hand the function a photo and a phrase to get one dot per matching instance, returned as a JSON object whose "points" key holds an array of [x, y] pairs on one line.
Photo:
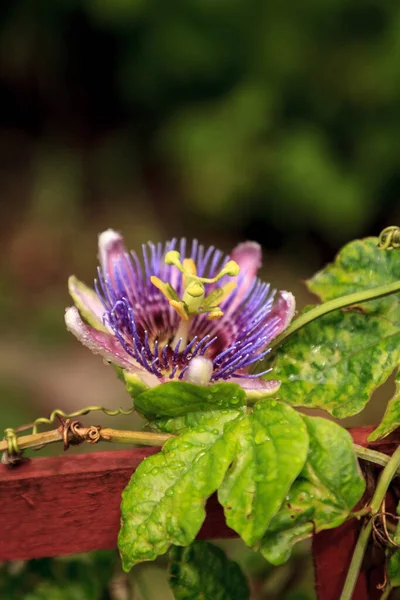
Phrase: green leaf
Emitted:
{"points": [[271, 449], [391, 418], [393, 566], [361, 266], [164, 501], [177, 398], [323, 495], [393, 569], [203, 571], [337, 361], [46, 590], [77, 577], [179, 425]]}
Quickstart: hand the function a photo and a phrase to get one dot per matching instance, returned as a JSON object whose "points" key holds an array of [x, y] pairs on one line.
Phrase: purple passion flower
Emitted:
{"points": [[182, 312]]}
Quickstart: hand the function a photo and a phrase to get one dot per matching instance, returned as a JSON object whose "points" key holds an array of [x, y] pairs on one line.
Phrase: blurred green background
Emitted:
{"points": [[223, 120]]}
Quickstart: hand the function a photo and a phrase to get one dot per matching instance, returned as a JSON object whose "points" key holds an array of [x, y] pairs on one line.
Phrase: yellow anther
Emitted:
{"points": [[189, 266], [157, 282], [194, 300], [215, 313], [165, 288], [180, 309], [219, 294]]}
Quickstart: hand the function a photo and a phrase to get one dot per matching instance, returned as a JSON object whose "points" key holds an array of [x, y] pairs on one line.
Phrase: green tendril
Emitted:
{"points": [[12, 441], [389, 238], [79, 413]]}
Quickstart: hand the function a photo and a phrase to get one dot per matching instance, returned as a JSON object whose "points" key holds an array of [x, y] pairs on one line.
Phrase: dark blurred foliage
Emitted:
{"points": [[98, 576], [274, 120], [219, 119]]}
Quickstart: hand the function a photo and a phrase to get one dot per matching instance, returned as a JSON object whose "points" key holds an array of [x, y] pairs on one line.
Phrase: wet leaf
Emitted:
{"points": [[271, 449], [337, 361], [391, 418], [183, 423], [361, 266], [177, 398], [323, 495], [203, 571], [164, 501]]}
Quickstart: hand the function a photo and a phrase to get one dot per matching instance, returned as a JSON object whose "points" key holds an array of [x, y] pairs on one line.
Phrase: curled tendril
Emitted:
{"points": [[79, 413], [389, 238], [12, 441], [13, 455]]}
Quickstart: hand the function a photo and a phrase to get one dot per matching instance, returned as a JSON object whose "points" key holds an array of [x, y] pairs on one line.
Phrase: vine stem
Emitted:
{"points": [[387, 591], [144, 438], [344, 301], [148, 438], [372, 456], [386, 477]]}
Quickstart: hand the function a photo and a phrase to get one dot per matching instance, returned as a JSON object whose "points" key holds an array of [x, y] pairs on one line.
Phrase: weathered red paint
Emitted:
{"points": [[71, 503]]}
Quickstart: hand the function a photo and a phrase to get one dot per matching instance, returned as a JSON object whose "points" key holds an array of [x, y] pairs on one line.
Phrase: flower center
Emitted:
{"points": [[194, 300]]}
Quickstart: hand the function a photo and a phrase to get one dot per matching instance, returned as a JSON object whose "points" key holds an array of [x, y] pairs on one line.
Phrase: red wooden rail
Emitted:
{"points": [[70, 503]]}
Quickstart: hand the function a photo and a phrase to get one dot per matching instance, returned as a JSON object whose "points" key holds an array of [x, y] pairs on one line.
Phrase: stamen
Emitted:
{"points": [[194, 300]]}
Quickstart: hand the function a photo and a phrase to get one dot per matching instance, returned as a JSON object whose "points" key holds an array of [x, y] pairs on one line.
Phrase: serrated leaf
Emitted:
{"points": [[360, 266], [203, 571], [337, 361], [323, 495], [177, 398], [391, 418], [163, 503], [271, 449]]}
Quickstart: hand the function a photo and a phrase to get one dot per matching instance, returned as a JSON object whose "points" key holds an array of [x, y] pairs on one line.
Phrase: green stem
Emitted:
{"points": [[387, 591], [372, 456], [143, 438], [383, 484], [323, 309]]}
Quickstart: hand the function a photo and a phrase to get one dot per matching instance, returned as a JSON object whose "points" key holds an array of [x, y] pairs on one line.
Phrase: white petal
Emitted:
{"points": [[99, 342], [111, 249]]}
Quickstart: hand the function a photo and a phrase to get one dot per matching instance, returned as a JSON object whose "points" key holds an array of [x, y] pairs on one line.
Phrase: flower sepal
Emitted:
{"points": [[87, 302], [134, 384]]}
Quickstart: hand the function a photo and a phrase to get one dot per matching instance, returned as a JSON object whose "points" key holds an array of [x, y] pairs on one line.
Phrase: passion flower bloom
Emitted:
{"points": [[183, 312]]}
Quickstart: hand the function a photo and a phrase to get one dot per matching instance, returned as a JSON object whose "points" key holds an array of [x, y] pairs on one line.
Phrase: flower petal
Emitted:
{"points": [[111, 249], [249, 258], [98, 341], [256, 388], [284, 308], [87, 302]]}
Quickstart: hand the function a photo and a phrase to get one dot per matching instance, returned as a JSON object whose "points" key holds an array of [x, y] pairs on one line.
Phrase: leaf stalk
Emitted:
{"points": [[385, 479], [343, 302]]}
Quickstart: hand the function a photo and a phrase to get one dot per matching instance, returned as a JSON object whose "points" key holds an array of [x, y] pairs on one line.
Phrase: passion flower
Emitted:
{"points": [[182, 312]]}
